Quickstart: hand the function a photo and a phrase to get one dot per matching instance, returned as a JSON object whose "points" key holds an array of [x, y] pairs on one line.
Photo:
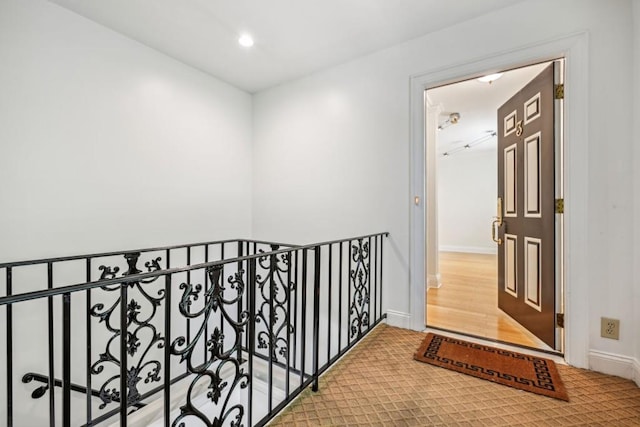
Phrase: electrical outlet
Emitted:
{"points": [[610, 328]]}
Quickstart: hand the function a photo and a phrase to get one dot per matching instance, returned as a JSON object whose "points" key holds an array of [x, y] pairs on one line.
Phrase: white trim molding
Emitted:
{"points": [[636, 372], [614, 364], [469, 249], [399, 319], [573, 47], [434, 280]]}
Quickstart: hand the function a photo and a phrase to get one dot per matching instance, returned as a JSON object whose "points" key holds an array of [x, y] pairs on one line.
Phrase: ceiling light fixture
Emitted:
{"points": [[452, 120], [245, 40], [490, 78], [488, 136]]}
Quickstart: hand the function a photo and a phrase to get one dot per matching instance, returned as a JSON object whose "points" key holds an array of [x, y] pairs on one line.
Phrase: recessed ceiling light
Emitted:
{"points": [[245, 40], [490, 78]]}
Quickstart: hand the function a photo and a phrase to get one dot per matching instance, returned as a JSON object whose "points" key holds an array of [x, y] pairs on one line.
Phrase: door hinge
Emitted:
{"points": [[560, 206], [559, 91], [560, 320]]}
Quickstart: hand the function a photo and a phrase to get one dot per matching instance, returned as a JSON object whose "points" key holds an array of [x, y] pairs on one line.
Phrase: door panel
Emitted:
{"points": [[533, 262], [510, 173], [532, 176], [511, 264], [526, 184]]}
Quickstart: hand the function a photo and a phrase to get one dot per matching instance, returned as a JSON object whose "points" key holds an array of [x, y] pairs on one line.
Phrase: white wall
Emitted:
{"points": [[330, 161], [107, 144], [332, 150], [467, 192]]}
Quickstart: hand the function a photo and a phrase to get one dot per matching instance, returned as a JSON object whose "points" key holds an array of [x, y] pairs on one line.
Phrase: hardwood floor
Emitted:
{"points": [[467, 301]]}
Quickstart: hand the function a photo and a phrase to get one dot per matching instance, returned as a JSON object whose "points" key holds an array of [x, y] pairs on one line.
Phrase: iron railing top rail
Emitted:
{"points": [[27, 296], [128, 251]]}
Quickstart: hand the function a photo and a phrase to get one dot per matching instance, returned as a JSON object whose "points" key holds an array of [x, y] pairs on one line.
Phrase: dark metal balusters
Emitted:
{"points": [[288, 320], [66, 360], [340, 300], [188, 281], [272, 334], [375, 277], [303, 310], [52, 401], [88, 340], [9, 332], [381, 265], [124, 395], [369, 288], [329, 298], [316, 315], [222, 274], [252, 332], [167, 349], [349, 335], [295, 309], [206, 290], [239, 304]]}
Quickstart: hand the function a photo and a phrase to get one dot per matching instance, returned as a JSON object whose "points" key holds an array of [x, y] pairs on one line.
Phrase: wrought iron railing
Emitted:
{"points": [[214, 333]]}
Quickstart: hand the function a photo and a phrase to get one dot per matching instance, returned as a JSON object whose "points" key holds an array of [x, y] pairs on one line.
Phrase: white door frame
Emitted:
{"points": [[574, 48]]}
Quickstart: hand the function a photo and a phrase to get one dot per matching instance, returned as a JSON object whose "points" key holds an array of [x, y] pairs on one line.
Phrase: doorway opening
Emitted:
{"points": [[493, 176]]}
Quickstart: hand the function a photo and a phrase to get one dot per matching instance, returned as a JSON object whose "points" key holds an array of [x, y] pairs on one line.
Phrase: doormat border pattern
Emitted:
{"points": [[547, 380]]}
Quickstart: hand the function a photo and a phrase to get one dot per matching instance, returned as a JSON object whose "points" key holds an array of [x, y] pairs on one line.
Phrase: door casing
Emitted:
{"points": [[574, 49]]}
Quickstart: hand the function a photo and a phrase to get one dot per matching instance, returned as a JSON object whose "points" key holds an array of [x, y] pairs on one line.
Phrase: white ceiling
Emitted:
{"points": [[477, 104], [293, 38]]}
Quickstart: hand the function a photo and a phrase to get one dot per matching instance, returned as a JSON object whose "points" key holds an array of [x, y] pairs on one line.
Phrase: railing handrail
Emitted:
{"points": [[27, 296], [129, 251]]}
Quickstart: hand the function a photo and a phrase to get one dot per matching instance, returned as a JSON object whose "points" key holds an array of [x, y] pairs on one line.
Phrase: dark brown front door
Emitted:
{"points": [[526, 235]]}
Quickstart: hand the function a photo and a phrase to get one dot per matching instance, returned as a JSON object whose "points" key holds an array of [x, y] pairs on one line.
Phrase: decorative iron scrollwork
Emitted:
{"points": [[273, 312], [141, 336], [219, 356], [359, 276]]}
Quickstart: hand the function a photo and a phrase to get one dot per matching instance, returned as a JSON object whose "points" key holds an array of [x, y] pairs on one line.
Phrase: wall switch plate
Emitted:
{"points": [[610, 328]]}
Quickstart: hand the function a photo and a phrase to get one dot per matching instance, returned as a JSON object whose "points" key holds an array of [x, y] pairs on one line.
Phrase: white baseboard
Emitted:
{"points": [[398, 319], [434, 280], [469, 249], [615, 364]]}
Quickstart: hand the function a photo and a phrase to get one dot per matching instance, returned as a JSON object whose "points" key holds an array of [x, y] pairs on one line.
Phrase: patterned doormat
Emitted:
{"points": [[524, 372]]}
